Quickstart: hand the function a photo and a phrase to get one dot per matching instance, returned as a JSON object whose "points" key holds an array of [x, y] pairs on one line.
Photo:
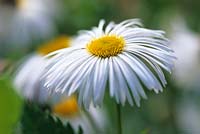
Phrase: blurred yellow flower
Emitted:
{"points": [[56, 44], [67, 107]]}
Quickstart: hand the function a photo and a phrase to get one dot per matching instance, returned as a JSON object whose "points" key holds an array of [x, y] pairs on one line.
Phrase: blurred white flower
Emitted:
{"points": [[119, 56], [27, 21], [186, 45], [27, 78], [91, 121], [188, 118]]}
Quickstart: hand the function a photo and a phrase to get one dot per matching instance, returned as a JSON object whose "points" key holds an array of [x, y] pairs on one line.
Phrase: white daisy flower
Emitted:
{"points": [[66, 108], [186, 45], [27, 21], [27, 77], [121, 57]]}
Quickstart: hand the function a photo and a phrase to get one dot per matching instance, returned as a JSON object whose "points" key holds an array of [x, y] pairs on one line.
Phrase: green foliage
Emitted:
{"points": [[155, 11], [11, 104], [83, 14], [37, 121], [191, 11]]}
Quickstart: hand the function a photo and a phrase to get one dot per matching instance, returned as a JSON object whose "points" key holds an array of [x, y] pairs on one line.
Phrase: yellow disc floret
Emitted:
{"points": [[106, 46], [56, 44], [21, 4], [67, 107]]}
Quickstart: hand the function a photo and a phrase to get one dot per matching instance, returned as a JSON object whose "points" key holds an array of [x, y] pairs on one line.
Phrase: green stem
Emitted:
{"points": [[92, 122], [119, 121]]}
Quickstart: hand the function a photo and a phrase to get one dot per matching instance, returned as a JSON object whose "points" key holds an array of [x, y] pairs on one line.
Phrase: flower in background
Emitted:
{"points": [[186, 46], [119, 56], [27, 21], [27, 78], [67, 109], [66, 106], [187, 111]]}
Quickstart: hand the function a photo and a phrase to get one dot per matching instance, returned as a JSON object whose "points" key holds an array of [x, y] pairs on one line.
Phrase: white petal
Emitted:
{"points": [[109, 27], [143, 72], [118, 81], [112, 84], [100, 80]]}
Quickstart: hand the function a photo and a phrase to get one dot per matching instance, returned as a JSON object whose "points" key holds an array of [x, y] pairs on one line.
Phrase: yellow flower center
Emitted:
{"points": [[56, 44], [21, 4], [67, 107], [106, 46]]}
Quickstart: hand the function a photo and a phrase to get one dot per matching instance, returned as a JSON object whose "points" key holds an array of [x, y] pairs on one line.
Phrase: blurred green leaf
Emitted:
{"points": [[11, 104], [154, 11], [37, 121], [83, 14], [145, 131], [190, 9]]}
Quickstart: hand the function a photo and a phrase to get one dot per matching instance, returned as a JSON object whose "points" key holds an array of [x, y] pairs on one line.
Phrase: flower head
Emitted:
{"points": [[67, 107], [27, 78], [28, 21], [185, 43], [122, 57]]}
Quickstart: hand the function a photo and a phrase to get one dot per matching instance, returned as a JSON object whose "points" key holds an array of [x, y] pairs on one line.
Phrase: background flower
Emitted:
{"points": [[26, 22], [91, 121], [186, 45], [28, 76]]}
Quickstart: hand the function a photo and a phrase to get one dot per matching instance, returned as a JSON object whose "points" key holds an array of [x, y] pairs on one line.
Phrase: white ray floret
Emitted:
{"points": [[27, 79], [122, 57]]}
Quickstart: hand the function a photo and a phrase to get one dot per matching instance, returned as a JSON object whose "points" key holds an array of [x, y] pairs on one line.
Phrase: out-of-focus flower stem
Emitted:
{"points": [[119, 121], [92, 122]]}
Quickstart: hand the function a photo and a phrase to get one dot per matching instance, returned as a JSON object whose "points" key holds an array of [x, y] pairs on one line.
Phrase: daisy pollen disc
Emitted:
{"points": [[21, 4], [106, 46]]}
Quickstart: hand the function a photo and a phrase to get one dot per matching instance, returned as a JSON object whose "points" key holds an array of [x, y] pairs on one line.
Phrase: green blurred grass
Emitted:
{"points": [[10, 106]]}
